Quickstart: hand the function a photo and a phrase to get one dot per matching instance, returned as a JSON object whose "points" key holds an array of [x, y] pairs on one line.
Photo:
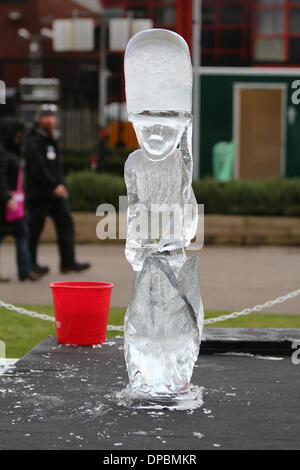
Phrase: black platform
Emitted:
{"points": [[61, 397]]}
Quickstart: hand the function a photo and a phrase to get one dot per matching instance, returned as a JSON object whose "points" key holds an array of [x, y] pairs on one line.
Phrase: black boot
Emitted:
{"points": [[31, 276], [42, 270], [76, 267]]}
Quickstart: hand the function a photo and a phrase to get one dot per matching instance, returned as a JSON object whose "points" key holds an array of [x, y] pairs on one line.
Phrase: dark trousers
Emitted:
{"points": [[59, 211], [22, 249]]}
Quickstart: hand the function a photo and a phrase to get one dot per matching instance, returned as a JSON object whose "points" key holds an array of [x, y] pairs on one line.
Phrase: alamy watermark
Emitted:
{"points": [[166, 223], [296, 353], [296, 93], [2, 92], [2, 350]]}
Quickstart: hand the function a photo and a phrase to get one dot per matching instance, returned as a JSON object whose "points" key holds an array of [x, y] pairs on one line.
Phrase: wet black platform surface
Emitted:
{"points": [[252, 340], [61, 397]]}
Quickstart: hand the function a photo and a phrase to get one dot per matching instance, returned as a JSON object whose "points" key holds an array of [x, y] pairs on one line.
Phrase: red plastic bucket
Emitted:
{"points": [[81, 311]]}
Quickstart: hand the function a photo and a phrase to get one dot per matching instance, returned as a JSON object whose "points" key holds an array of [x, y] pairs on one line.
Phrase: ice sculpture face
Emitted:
{"points": [[159, 133]]}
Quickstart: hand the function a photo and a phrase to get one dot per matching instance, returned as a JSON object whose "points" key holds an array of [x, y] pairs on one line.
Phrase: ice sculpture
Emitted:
{"points": [[164, 319]]}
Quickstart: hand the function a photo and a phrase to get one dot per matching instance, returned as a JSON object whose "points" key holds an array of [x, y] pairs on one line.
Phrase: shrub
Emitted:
{"points": [[277, 196], [88, 189], [78, 160]]}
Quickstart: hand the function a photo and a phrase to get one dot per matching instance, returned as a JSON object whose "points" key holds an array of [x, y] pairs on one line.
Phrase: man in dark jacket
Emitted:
{"points": [[11, 131], [46, 192]]}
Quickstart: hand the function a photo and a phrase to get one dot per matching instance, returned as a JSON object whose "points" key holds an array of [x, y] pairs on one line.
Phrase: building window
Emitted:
{"points": [[231, 15], [270, 2], [138, 11], [269, 49], [164, 16], [208, 14], [276, 31], [162, 12], [294, 39], [295, 21], [269, 43], [270, 21], [225, 32]]}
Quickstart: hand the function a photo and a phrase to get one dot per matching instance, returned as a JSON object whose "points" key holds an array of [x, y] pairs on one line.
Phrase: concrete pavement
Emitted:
{"points": [[232, 278]]}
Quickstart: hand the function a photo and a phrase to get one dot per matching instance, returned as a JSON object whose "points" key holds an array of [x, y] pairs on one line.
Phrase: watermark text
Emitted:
{"points": [[296, 354], [2, 92], [166, 224], [2, 350]]}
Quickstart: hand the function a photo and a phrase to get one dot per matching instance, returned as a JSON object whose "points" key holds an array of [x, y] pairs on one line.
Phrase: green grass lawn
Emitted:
{"points": [[21, 333]]}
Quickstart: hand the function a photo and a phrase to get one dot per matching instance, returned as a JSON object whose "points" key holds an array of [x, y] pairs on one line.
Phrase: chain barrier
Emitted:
{"points": [[42, 316], [29, 313], [257, 308], [208, 321]]}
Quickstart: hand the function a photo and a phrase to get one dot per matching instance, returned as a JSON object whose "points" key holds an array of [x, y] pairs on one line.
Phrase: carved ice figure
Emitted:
{"points": [[164, 320]]}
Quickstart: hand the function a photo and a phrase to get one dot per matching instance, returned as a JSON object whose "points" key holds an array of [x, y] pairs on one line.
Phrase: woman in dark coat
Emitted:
{"points": [[11, 131]]}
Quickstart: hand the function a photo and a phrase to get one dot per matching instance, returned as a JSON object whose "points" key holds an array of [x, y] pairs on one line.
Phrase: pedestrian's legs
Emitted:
{"points": [[64, 225], [38, 212], [2, 279], [23, 257]]}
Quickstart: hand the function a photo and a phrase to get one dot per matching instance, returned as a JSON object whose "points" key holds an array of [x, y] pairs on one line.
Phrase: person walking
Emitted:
{"points": [[46, 192], [11, 132]]}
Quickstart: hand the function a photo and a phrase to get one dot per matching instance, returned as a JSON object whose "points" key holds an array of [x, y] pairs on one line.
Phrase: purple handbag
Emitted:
{"points": [[18, 197]]}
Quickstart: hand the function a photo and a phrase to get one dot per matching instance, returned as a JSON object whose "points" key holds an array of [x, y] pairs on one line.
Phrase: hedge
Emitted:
{"points": [[276, 196], [88, 189], [78, 160]]}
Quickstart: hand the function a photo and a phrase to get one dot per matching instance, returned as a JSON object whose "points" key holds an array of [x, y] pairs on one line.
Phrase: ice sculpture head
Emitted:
{"points": [[159, 80], [159, 133]]}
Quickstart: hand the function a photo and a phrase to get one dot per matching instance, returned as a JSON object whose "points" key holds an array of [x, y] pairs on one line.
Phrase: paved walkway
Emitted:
{"points": [[232, 278]]}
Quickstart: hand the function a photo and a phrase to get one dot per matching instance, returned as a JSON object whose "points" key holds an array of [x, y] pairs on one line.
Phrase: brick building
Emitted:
{"points": [[235, 33], [33, 15]]}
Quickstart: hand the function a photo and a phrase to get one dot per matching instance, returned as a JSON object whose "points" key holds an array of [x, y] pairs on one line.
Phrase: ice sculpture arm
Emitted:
{"points": [[132, 211], [130, 180], [187, 160], [189, 200]]}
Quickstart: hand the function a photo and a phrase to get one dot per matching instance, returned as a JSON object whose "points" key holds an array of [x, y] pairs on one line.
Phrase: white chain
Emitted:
{"points": [[115, 328], [23, 311], [257, 308], [208, 321], [42, 316]]}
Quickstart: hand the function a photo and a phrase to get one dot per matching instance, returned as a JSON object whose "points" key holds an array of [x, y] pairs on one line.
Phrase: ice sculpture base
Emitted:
{"points": [[190, 399], [163, 327]]}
